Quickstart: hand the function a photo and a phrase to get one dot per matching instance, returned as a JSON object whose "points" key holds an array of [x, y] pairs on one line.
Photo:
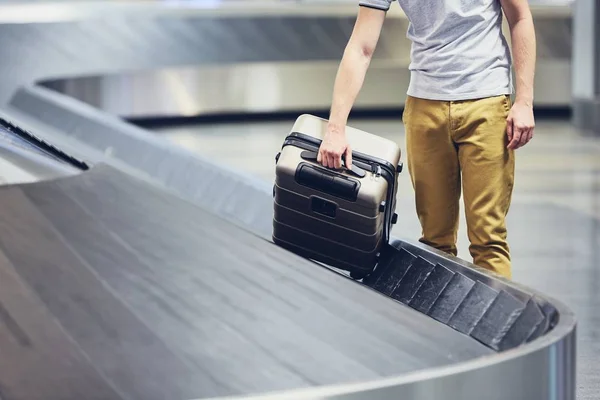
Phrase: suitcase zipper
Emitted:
{"points": [[378, 171], [379, 168]]}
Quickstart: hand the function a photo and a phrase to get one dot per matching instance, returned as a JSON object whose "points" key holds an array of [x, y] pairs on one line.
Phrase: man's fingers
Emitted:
{"points": [[348, 157], [527, 136], [333, 159], [526, 133], [516, 137], [337, 158], [330, 160], [524, 136], [509, 129]]}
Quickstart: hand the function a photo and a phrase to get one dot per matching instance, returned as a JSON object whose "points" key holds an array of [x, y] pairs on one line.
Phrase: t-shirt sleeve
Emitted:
{"points": [[378, 4]]}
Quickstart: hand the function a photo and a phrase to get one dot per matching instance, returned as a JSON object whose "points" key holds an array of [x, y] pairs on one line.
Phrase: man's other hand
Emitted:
{"points": [[520, 125]]}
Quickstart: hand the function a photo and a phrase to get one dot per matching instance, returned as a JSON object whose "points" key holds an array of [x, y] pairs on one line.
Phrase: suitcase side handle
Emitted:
{"points": [[356, 170], [324, 181]]}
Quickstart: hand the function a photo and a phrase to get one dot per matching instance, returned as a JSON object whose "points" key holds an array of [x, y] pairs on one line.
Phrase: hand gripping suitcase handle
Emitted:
{"points": [[355, 169]]}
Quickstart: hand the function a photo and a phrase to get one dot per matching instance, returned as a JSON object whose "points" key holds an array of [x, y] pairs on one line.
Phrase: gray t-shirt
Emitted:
{"points": [[458, 49]]}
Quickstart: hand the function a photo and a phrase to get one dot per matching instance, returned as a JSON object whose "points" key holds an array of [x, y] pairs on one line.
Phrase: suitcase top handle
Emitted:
{"points": [[355, 169]]}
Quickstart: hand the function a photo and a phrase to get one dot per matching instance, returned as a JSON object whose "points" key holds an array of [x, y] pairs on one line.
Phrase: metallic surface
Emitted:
{"points": [[40, 42], [586, 66], [597, 48], [306, 83], [586, 115], [232, 89], [129, 37], [583, 44], [50, 41], [550, 359]]}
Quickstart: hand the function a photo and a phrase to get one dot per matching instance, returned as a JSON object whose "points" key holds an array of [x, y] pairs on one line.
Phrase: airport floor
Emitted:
{"points": [[554, 221]]}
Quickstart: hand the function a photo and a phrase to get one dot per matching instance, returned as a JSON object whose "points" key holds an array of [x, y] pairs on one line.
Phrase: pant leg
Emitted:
{"points": [[487, 176], [433, 166]]}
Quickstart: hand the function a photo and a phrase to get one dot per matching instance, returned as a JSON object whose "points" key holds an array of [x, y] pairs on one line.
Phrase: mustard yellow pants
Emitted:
{"points": [[462, 144]]}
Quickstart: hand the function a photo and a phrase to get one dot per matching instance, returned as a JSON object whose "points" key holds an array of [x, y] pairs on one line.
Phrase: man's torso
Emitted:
{"points": [[458, 49]]}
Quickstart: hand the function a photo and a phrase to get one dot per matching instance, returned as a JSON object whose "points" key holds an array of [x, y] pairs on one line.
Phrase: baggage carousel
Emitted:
{"points": [[127, 292], [124, 283], [131, 268]]}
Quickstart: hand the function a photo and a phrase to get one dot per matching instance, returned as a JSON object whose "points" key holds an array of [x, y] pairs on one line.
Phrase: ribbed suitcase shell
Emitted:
{"points": [[334, 216]]}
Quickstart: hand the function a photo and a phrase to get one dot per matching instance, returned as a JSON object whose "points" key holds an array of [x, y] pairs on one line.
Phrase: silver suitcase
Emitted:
{"points": [[341, 218]]}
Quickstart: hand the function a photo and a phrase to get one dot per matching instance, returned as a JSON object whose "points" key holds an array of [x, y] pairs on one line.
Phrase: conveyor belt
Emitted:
{"points": [[236, 197], [82, 319], [111, 288]]}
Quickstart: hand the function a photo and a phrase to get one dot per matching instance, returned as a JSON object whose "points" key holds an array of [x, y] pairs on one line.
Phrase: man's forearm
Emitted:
{"points": [[348, 83], [524, 53]]}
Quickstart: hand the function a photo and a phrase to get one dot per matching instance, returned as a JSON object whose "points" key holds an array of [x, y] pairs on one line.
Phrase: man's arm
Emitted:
{"points": [[521, 121], [348, 83]]}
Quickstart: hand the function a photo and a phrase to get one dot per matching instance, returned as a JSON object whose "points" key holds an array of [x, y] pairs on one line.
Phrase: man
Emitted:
{"points": [[461, 125]]}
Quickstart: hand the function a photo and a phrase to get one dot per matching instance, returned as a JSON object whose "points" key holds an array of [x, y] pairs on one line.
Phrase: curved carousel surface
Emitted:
{"points": [[115, 286], [131, 268]]}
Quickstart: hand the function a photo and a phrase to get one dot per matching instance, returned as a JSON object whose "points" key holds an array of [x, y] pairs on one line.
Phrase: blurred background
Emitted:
{"points": [[226, 80]]}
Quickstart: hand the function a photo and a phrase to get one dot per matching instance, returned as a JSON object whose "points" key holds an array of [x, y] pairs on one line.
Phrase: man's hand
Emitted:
{"points": [[520, 125], [332, 148], [520, 120]]}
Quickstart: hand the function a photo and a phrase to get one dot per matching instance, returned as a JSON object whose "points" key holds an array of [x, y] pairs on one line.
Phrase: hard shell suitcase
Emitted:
{"points": [[341, 218]]}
